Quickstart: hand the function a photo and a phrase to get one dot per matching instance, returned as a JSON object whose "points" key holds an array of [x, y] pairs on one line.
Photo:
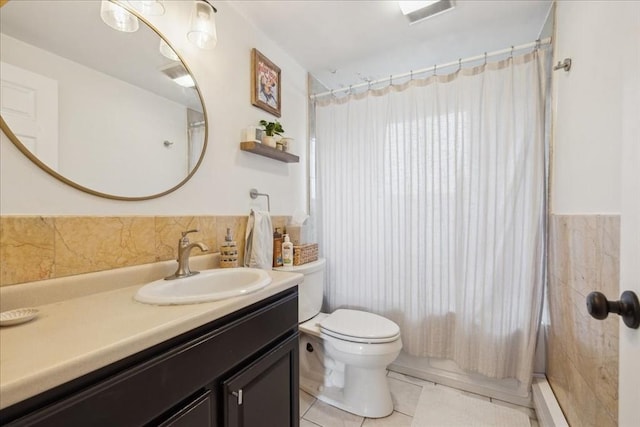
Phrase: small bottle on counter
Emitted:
{"points": [[287, 252], [228, 252], [277, 248]]}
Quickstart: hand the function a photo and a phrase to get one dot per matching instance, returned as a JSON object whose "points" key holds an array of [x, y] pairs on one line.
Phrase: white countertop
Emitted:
{"points": [[74, 337]]}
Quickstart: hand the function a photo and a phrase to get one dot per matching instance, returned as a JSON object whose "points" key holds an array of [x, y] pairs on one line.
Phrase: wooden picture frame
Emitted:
{"points": [[265, 83]]}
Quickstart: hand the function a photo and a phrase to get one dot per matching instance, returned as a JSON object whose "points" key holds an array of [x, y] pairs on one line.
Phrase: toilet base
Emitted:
{"points": [[372, 401], [373, 388], [366, 392]]}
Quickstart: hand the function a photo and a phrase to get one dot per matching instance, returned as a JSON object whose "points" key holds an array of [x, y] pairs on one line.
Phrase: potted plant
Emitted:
{"points": [[271, 129]]}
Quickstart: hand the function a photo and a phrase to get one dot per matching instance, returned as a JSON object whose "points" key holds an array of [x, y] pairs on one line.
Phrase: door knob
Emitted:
{"points": [[628, 307]]}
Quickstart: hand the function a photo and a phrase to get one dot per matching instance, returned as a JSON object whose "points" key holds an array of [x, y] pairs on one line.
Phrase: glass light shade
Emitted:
{"points": [[167, 51], [202, 26], [148, 7], [118, 17]]}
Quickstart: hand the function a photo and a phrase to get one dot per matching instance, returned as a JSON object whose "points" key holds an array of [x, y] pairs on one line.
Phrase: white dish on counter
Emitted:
{"points": [[17, 316]]}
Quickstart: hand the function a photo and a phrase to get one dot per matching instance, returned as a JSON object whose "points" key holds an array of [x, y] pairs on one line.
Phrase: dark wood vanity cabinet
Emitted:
{"points": [[241, 370]]}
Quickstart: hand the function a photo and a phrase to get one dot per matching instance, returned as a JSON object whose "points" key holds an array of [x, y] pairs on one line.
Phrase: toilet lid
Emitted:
{"points": [[359, 326]]}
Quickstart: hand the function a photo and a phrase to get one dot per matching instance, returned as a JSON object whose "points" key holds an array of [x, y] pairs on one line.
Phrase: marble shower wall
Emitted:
{"points": [[582, 352], [37, 248]]}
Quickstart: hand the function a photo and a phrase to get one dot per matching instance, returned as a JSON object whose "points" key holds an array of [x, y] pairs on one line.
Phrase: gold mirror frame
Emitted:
{"points": [[14, 139]]}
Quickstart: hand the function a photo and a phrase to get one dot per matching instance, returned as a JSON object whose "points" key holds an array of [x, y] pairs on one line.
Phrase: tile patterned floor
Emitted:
{"points": [[405, 391]]}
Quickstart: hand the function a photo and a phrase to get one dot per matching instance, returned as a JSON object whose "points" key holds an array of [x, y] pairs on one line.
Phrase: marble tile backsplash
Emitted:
{"points": [[582, 352], [36, 248]]}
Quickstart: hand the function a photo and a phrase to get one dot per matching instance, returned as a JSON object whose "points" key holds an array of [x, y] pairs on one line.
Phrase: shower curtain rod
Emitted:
{"points": [[433, 68]]}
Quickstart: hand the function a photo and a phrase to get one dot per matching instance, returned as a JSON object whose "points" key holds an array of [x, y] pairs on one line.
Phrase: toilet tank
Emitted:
{"points": [[310, 291]]}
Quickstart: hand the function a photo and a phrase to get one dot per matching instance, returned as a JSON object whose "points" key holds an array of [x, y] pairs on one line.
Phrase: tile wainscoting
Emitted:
{"points": [[45, 247], [582, 361], [583, 256]]}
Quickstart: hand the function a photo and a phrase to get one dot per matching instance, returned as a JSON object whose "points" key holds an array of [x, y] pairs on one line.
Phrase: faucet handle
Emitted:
{"points": [[184, 240], [184, 233]]}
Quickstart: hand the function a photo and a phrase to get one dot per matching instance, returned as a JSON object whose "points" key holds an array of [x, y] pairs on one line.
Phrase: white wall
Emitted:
{"points": [[587, 108], [221, 185]]}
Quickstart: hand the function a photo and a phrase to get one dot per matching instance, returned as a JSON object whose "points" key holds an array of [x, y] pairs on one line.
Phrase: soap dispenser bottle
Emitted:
{"points": [[228, 252], [287, 252]]}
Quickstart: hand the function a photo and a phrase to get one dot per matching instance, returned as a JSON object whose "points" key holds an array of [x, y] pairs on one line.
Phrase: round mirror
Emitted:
{"points": [[113, 113]]}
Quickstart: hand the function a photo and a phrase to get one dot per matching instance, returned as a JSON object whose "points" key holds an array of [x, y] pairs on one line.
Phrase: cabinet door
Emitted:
{"points": [[265, 393], [196, 413]]}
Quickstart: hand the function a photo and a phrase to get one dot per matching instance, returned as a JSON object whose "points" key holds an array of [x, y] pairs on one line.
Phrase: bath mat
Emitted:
{"points": [[445, 407]]}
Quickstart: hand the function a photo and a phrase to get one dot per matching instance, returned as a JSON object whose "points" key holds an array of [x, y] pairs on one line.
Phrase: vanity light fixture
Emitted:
{"points": [[417, 11], [117, 17], [148, 7], [202, 25]]}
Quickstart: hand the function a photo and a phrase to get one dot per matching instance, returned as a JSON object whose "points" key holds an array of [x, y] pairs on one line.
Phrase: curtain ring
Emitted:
{"points": [[434, 69], [411, 77], [538, 44], [350, 91], [368, 84], [459, 64], [332, 94], [511, 55], [390, 79], [485, 58]]}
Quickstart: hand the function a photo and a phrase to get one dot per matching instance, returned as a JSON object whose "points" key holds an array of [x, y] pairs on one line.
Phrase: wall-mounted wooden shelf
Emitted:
{"points": [[263, 150]]}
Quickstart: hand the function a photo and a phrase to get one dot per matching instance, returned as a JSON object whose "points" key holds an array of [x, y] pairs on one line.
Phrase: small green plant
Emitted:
{"points": [[272, 128]]}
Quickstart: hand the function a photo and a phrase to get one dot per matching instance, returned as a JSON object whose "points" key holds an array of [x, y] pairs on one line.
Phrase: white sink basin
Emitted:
{"points": [[209, 285]]}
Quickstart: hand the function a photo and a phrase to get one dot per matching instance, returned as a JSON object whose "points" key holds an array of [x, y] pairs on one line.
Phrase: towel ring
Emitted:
{"points": [[254, 195]]}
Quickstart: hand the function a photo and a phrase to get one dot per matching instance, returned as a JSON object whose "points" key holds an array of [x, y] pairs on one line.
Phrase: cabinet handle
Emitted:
{"points": [[238, 394]]}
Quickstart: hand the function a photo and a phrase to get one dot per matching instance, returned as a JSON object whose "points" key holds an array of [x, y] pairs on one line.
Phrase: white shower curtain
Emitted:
{"points": [[430, 207], [196, 145]]}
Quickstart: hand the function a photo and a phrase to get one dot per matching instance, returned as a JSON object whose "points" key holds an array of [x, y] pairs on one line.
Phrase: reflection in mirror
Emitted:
{"points": [[100, 109]]}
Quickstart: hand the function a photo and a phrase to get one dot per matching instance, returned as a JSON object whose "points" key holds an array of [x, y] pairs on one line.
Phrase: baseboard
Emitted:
{"points": [[547, 408]]}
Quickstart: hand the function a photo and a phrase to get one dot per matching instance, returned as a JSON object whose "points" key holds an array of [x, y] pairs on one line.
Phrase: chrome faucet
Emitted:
{"points": [[184, 249]]}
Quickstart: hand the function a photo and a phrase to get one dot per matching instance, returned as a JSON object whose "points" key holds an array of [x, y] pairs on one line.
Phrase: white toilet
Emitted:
{"points": [[344, 355]]}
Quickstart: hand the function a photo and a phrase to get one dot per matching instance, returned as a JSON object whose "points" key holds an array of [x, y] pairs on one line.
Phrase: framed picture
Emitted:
{"points": [[265, 83]]}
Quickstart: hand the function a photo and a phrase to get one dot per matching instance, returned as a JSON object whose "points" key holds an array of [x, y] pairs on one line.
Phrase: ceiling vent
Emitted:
{"points": [[430, 9], [178, 74]]}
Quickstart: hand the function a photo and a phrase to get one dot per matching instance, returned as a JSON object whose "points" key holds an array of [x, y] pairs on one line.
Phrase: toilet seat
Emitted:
{"points": [[360, 327]]}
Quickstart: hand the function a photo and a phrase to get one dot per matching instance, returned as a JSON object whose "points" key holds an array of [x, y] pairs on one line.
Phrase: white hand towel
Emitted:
{"points": [[258, 250]]}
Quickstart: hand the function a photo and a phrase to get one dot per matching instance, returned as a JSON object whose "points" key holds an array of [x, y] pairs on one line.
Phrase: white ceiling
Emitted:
{"points": [[347, 42]]}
